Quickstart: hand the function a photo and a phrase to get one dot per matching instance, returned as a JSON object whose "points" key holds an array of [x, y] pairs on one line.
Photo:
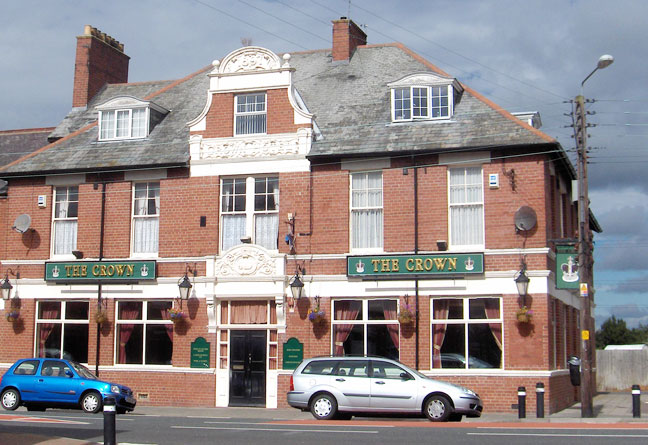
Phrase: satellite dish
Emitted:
{"points": [[525, 219], [21, 225]]}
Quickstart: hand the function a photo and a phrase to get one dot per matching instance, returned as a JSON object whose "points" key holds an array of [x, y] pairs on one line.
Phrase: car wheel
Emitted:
{"points": [[323, 407], [91, 402], [438, 409], [10, 399]]}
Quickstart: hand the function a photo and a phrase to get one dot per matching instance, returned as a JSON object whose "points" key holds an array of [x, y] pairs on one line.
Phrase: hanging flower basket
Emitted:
{"points": [[316, 315], [101, 316], [12, 316], [405, 314], [524, 314], [176, 315]]}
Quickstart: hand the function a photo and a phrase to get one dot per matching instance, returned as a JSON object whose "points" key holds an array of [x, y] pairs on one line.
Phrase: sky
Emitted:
{"points": [[527, 55]]}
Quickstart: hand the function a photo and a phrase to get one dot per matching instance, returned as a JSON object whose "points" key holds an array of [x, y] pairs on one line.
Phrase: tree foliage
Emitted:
{"points": [[615, 332]]}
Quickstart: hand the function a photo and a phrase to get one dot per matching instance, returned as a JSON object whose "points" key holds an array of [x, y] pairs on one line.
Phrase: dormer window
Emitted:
{"points": [[423, 97], [250, 113], [128, 118]]}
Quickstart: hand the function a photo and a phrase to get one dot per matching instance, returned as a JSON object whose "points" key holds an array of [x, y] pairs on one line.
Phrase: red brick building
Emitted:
{"points": [[406, 203]]}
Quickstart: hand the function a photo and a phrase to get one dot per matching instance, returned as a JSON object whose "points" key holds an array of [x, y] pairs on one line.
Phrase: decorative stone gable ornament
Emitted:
{"points": [[250, 58]]}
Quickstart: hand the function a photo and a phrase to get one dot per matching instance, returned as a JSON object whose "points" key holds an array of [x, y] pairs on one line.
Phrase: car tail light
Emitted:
{"points": [[292, 385]]}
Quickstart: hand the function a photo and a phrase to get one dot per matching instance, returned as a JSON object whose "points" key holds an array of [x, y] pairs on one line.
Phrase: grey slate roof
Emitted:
{"points": [[350, 101], [15, 144]]}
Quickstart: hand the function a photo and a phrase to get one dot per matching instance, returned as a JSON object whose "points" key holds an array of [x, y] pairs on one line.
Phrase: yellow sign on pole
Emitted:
{"points": [[585, 335], [583, 290]]}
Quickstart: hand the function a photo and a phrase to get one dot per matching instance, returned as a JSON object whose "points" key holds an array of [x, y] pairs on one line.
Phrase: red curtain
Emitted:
{"points": [[127, 311], [344, 310], [441, 308], [49, 311], [389, 310], [492, 306], [169, 327]]}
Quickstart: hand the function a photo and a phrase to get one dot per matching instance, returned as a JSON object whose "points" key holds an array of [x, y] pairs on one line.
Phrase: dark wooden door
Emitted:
{"points": [[247, 368]]}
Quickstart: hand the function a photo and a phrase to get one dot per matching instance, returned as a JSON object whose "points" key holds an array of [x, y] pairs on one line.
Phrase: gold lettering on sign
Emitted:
{"points": [[375, 264], [395, 265]]}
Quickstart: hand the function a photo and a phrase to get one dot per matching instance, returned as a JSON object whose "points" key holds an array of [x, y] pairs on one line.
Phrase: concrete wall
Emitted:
{"points": [[619, 370]]}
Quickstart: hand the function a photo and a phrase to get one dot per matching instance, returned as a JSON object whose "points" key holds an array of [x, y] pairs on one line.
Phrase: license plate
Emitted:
{"points": [[130, 400]]}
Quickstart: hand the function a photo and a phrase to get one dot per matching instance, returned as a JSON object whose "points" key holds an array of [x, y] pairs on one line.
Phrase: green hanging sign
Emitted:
{"points": [[567, 267]]}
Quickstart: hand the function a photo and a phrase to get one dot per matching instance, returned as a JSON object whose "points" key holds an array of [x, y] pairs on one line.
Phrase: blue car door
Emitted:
{"points": [[25, 379], [55, 385]]}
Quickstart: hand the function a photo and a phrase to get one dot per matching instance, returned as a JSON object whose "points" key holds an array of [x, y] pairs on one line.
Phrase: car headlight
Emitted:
{"points": [[115, 389], [470, 391]]}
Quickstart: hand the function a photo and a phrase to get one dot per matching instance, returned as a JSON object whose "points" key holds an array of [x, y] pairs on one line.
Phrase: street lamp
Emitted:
{"points": [[522, 283], [584, 243]]}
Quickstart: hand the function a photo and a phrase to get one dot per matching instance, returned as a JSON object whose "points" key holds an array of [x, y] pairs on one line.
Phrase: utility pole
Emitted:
{"points": [[584, 257]]}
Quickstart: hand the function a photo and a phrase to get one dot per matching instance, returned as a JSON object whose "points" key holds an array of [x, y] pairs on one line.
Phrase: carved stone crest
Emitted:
{"points": [[245, 260], [251, 58]]}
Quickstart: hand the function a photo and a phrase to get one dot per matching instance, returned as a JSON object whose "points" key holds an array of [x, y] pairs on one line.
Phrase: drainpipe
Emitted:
{"points": [[416, 281], [101, 254]]}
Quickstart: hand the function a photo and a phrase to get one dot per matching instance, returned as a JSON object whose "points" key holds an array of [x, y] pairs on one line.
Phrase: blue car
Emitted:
{"points": [[40, 383]]}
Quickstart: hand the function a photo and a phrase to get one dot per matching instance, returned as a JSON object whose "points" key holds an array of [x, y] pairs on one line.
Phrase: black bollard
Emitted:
{"points": [[110, 436], [636, 401], [521, 402], [540, 390]]}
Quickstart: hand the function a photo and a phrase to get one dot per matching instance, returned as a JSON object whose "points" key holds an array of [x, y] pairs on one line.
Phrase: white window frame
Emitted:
{"points": [[129, 121], [144, 321], [61, 320], [466, 247], [357, 209], [60, 220], [244, 114], [135, 217], [364, 321], [427, 113], [466, 321], [250, 213]]}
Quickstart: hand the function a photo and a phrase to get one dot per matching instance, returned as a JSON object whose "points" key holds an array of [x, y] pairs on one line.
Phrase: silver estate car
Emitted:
{"points": [[338, 387]]}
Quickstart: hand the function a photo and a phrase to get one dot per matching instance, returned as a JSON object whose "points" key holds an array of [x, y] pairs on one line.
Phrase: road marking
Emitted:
{"points": [[560, 435], [263, 422], [16, 418], [283, 430]]}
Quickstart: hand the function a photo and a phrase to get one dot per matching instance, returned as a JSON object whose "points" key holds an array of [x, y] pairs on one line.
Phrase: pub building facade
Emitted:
{"points": [[195, 239]]}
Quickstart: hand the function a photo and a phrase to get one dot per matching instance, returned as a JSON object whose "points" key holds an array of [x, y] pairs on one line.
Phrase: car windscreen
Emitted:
{"points": [[83, 371]]}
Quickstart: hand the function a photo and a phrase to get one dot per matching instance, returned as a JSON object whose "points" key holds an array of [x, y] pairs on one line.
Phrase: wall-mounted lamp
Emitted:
{"points": [[522, 283], [184, 286], [442, 245], [296, 286], [6, 288]]}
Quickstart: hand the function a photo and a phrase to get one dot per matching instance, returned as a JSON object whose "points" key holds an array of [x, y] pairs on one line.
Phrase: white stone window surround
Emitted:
{"points": [[126, 117], [430, 89]]}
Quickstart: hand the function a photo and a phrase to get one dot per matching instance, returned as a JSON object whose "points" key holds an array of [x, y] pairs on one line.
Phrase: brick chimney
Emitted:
{"points": [[347, 36], [100, 59]]}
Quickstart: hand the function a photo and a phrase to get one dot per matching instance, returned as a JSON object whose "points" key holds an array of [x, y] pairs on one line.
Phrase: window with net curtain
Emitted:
{"points": [[146, 217], [366, 210], [466, 201], [250, 207], [467, 332], [123, 124], [66, 212], [250, 114]]}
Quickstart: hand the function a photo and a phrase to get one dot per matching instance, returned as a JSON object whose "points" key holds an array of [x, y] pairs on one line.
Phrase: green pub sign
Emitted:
{"points": [[433, 265], [100, 271], [200, 349], [293, 353], [567, 267]]}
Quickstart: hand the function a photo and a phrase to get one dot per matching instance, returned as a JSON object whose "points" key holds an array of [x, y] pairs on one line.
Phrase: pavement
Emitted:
{"points": [[613, 410]]}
